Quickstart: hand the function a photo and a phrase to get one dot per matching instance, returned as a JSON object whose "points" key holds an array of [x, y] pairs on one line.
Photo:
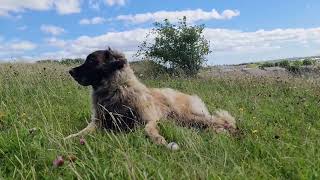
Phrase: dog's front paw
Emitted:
{"points": [[160, 140], [221, 130]]}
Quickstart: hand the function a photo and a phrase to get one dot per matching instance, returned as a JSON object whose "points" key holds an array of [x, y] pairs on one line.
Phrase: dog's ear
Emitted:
{"points": [[111, 67], [114, 61], [117, 58], [117, 64]]}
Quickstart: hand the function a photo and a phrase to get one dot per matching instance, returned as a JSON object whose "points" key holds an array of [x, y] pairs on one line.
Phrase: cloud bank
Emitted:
{"points": [[222, 41], [61, 6], [51, 29], [174, 16]]}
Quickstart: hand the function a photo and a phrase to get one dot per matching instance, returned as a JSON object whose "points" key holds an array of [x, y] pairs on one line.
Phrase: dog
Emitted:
{"points": [[121, 102]]}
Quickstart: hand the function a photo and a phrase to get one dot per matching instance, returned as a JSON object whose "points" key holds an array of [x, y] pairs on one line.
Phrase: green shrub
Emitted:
{"points": [[294, 69], [308, 62], [72, 61], [266, 64], [297, 63], [284, 63], [180, 47], [63, 61]]}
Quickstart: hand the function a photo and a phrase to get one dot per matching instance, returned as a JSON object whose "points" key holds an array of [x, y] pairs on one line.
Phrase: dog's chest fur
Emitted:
{"points": [[114, 108]]}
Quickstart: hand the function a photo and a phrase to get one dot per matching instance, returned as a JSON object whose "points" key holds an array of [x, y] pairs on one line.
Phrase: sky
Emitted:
{"points": [[238, 30]]}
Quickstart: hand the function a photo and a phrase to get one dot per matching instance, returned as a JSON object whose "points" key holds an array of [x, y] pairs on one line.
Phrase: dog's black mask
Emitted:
{"points": [[98, 66]]}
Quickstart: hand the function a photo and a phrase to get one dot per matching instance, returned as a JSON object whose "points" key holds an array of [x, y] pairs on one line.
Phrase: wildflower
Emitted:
{"points": [[32, 130], [23, 114], [82, 141], [58, 162], [254, 117], [2, 114], [254, 131], [241, 109]]}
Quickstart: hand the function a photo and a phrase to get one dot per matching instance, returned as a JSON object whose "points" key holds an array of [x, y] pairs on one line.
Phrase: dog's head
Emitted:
{"points": [[99, 65]]}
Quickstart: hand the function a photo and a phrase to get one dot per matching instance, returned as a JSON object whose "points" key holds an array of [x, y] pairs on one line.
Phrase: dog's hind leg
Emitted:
{"points": [[90, 128], [220, 122], [196, 114]]}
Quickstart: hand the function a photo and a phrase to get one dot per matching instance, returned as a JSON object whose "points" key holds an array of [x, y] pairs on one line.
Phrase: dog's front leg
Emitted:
{"points": [[90, 128], [153, 132], [150, 116]]}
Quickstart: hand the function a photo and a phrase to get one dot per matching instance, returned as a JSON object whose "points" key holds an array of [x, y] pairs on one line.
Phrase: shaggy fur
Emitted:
{"points": [[120, 101]]}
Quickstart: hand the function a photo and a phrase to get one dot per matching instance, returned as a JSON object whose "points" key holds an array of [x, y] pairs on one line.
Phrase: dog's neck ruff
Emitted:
{"points": [[120, 81]]}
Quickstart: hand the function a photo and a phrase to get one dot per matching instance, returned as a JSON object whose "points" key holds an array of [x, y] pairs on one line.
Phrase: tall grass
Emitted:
{"points": [[40, 104]]}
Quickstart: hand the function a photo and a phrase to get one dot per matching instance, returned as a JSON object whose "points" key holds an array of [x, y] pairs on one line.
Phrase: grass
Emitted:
{"points": [[279, 119]]}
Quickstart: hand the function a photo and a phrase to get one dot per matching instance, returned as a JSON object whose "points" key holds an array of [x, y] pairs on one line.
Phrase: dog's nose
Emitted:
{"points": [[71, 72]]}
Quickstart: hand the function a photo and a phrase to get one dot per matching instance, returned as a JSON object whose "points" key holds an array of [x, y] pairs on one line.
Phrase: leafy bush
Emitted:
{"points": [[47, 61], [72, 61], [284, 63], [266, 64], [180, 47], [308, 62], [63, 61], [294, 69], [297, 63]]}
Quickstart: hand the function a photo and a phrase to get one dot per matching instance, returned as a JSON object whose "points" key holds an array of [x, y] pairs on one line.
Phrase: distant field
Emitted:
{"points": [[279, 117]]}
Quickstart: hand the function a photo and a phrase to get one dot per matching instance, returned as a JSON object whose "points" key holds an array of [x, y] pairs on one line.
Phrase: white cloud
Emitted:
{"points": [[115, 2], [61, 6], [229, 46], [125, 41], [22, 28], [67, 7], [95, 4], [222, 41], [95, 20], [232, 40], [229, 14], [174, 16], [22, 46], [51, 29], [10, 50], [56, 42]]}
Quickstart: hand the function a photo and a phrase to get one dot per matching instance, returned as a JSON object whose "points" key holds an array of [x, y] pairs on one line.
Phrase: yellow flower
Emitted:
{"points": [[23, 114], [254, 131], [241, 109], [2, 114]]}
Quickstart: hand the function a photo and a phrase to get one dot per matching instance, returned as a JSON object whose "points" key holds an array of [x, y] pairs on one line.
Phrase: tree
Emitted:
{"points": [[176, 47]]}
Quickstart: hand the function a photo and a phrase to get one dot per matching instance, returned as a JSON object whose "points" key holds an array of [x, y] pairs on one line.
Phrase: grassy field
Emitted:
{"points": [[40, 104]]}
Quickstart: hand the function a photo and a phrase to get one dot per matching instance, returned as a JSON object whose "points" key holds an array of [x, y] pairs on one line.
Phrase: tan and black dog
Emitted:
{"points": [[120, 101]]}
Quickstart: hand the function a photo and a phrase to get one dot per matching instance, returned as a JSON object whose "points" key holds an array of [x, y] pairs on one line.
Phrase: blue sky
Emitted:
{"points": [[239, 30]]}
